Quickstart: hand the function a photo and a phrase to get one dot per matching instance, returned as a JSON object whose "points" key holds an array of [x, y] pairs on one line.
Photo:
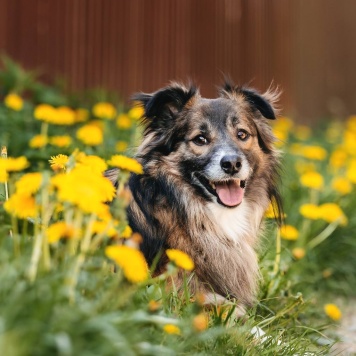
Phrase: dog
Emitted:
{"points": [[210, 172]]}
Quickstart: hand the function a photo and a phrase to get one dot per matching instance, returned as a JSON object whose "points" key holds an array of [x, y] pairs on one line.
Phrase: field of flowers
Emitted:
{"points": [[72, 279]]}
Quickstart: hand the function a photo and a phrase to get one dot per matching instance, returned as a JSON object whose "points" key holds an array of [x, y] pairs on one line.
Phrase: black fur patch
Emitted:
{"points": [[162, 106]]}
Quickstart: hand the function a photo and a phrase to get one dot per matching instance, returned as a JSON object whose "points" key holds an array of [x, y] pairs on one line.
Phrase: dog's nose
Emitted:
{"points": [[231, 164]]}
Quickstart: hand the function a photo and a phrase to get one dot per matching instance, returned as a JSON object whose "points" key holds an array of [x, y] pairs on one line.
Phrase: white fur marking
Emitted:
{"points": [[234, 222], [213, 298]]}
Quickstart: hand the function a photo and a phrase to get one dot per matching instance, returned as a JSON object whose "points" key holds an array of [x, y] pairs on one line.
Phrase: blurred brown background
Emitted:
{"points": [[306, 47]]}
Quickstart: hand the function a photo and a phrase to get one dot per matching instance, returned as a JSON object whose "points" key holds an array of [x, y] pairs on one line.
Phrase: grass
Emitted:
{"points": [[62, 295]]}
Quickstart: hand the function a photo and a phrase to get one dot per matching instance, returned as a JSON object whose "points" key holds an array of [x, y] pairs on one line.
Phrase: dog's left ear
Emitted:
{"points": [[264, 103]]}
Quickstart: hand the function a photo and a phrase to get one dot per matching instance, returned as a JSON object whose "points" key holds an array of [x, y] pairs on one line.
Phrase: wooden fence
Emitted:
{"points": [[306, 47]]}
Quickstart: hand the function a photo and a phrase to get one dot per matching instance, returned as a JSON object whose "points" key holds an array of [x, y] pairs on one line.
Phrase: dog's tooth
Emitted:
{"points": [[213, 185]]}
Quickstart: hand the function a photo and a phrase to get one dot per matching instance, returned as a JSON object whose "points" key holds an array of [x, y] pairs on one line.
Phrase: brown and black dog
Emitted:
{"points": [[210, 172]]}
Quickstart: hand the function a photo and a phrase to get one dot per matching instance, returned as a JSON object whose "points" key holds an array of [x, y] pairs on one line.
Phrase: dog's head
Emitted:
{"points": [[223, 147]]}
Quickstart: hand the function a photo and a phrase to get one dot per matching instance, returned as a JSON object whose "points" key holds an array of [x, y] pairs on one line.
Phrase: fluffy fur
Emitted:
{"points": [[210, 172]]}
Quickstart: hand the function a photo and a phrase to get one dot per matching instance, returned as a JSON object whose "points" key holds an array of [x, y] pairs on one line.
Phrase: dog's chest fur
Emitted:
{"points": [[238, 223]]}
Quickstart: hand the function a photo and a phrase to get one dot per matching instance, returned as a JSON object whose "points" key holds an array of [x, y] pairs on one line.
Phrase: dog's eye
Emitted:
{"points": [[200, 140], [243, 135]]}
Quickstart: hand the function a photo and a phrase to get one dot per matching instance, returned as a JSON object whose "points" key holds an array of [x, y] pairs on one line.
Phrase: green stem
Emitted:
{"points": [[14, 233], [84, 248], [304, 232], [77, 224], [324, 234], [41, 247], [36, 254], [44, 129], [4, 155], [47, 210], [281, 313], [186, 291], [277, 259], [314, 196]]}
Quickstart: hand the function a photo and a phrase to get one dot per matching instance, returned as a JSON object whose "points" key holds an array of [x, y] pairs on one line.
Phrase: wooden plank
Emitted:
{"points": [[137, 45]]}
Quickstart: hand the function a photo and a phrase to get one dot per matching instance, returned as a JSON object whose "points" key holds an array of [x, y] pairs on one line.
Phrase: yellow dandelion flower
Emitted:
{"points": [[153, 305], [180, 259], [312, 180], [342, 185], [130, 260], [3, 174], [22, 206], [284, 123], [201, 322], [85, 188], [127, 233], [314, 153], [81, 115], [14, 164], [57, 116], [104, 110], [281, 137], [45, 112], [60, 230], [63, 116], [349, 143], [331, 212], [60, 141], [126, 163], [351, 123], [302, 132], [171, 329], [338, 158], [289, 232], [13, 101], [351, 171], [281, 129], [59, 162], [29, 183], [101, 227], [298, 253], [123, 122], [104, 214], [272, 211], [137, 111], [90, 135], [121, 146], [310, 211], [92, 162], [38, 141], [97, 123], [332, 311]]}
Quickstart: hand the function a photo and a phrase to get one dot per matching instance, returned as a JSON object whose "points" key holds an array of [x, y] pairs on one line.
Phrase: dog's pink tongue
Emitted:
{"points": [[230, 193]]}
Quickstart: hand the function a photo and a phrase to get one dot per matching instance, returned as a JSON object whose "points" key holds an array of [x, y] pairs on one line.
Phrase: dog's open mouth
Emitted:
{"points": [[229, 192]]}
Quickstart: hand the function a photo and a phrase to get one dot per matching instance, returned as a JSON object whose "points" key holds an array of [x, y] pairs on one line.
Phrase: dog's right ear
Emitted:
{"points": [[163, 105]]}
